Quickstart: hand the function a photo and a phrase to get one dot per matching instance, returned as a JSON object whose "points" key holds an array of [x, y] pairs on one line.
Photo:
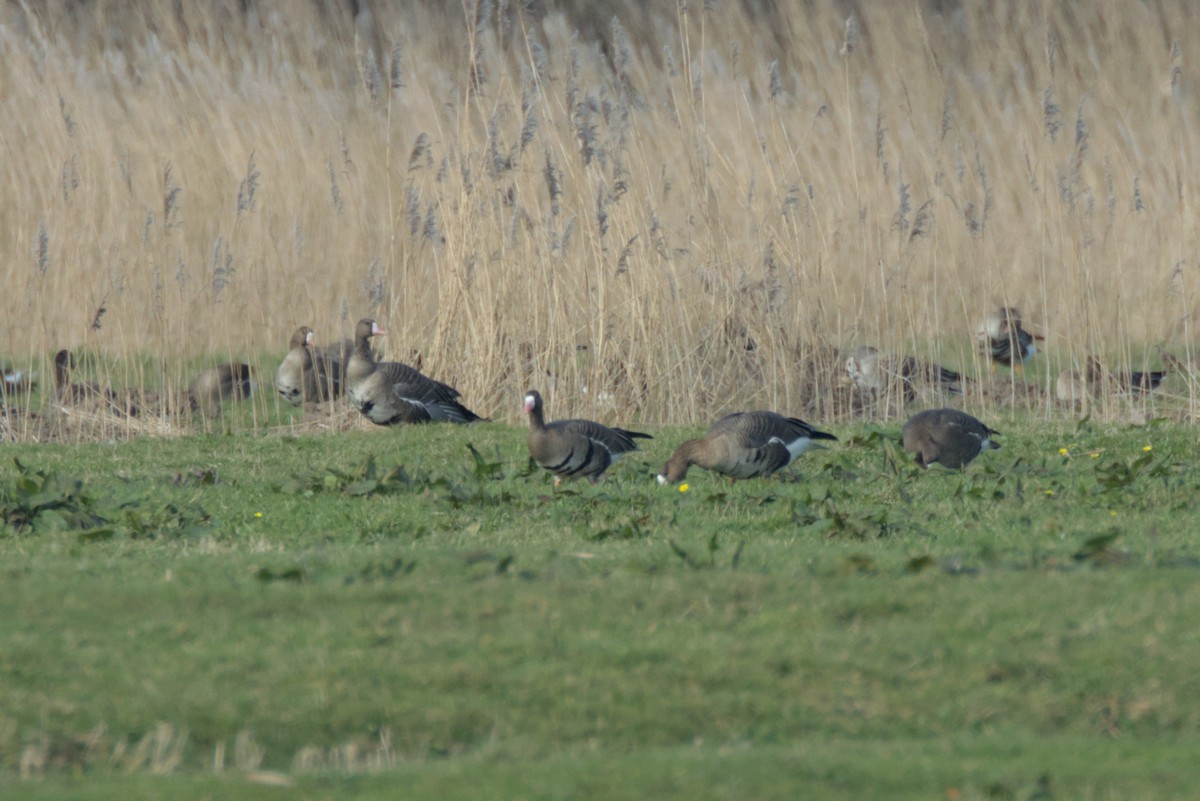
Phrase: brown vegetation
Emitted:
{"points": [[675, 211]]}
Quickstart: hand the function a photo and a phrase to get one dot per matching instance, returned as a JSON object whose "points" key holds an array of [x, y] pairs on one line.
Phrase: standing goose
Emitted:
{"points": [[1004, 341], [948, 436], [82, 392], [570, 448], [878, 375], [744, 445], [388, 393], [218, 384]]}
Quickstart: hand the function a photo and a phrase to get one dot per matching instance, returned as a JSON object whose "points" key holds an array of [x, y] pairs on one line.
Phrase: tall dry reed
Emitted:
{"points": [[659, 211]]}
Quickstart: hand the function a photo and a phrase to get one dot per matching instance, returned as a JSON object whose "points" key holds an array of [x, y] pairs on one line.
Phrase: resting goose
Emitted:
{"points": [[876, 374], [296, 376], [1004, 341], [1141, 382], [744, 445], [388, 393], [570, 448], [948, 436], [16, 382], [81, 392], [218, 384]]}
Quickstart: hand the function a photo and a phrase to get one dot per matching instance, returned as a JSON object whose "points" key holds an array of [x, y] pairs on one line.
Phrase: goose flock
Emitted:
{"points": [[741, 445]]}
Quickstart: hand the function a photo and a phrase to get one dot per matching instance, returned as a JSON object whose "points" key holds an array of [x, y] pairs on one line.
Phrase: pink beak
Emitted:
{"points": [[376, 330]]}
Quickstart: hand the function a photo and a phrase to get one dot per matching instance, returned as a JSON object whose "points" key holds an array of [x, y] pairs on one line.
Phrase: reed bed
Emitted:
{"points": [[655, 212]]}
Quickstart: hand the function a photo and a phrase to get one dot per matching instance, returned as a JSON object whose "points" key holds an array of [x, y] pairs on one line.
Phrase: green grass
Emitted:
{"points": [[390, 608]]}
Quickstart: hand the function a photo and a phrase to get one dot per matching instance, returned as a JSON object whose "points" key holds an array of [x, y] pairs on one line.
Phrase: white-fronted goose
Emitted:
{"points": [[388, 393], [948, 436], [1071, 389], [569, 448], [69, 392], [311, 374], [744, 445], [879, 375], [218, 384], [1127, 381], [1002, 339], [16, 382], [296, 377]]}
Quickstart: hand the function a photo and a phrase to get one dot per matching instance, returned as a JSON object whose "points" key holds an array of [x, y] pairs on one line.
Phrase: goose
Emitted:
{"points": [[948, 436], [1141, 382], [744, 445], [570, 448], [1004, 341], [876, 374], [1071, 389], [388, 393], [81, 392], [309, 374], [296, 376], [212, 387], [16, 382]]}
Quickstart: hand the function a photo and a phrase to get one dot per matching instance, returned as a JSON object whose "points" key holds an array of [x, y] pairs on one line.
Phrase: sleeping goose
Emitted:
{"points": [[1003, 340], [79, 392], [948, 436], [388, 393], [878, 375], [570, 448], [744, 445], [218, 384]]}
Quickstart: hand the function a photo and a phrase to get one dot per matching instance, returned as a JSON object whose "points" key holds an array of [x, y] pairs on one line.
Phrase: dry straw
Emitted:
{"points": [[656, 211]]}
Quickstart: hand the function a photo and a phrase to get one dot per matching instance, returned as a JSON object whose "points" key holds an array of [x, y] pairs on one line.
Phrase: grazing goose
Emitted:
{"points": [[70, 393], [948, 436], [1004, 341], [388, 393], [744, 445], [570, 448], [878, 375], [218, 384]]}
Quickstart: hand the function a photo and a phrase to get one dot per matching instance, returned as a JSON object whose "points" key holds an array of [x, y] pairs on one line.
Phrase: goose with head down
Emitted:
{"points": [[744, 445], [950, 437]]}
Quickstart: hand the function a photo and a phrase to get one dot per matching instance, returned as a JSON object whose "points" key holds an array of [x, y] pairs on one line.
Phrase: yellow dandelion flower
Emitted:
{"points": [[258, 514], [1148, 448], [1063, 452], [683, 487], [1049, 492]]}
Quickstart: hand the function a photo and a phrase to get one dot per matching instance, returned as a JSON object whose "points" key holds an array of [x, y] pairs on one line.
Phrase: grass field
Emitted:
{"points": [[343, 613], [655, 213]]}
